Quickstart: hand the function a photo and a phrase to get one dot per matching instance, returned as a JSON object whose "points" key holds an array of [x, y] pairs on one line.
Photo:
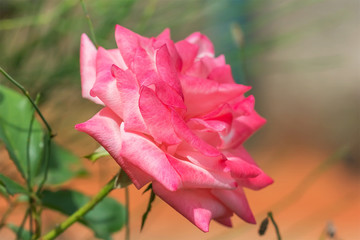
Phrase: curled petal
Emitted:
{"points": [[164, 35], [241, 169], [183, 131], [157, 117], [128, 105], [104, 127], [236, 201], [144, 154], [243, 128], [207, 125], [198, 92], [144, 68], [128, 42], [166, 69], [206, 47], [224, 221], [193, 176], [198, 205], [244, 106], [164, 39], [254, 182], [187, 52], [88, 67], [105, 85], [200, 159], [222, 74]]}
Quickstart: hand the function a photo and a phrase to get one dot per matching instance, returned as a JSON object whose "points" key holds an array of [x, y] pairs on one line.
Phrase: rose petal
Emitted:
{"points": [[128, 42], [183, 131], [260, 181], [224, 221], [144, 154], [88, 68], [241, 169], [200, 159], [144, 68], [166, 69], [104, 127], [187, 52], [244, 106], [128, 89], [105, 85], [193, 176], [198, 69], [164, 35], [197, 205], [164, 39], [222, 74], [157, 117], [236, 201], [207, 125], [243, 127], [256, 183], [170, 98], [198, 93], [206, 47]]}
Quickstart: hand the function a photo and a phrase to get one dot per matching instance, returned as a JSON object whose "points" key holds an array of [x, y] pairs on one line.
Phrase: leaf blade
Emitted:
{"points": [[11, 186], [16, 114]]}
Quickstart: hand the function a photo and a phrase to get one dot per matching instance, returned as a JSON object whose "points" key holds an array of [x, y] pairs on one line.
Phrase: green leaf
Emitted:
{"points": [[11, 186], [122, 180], [23, 233], [151, 200], [16, 114], [15, 118], [63, 165], [99, 152], [4, 192], [107, 217]]}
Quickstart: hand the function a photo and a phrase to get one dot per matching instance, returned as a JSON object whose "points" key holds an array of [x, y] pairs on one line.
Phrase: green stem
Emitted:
{"points": [[28, 180], [127, 203], [270, 215], [47, 142], [80, 212], [26, 93], [6, 214], [89, 22], [21, 228]]}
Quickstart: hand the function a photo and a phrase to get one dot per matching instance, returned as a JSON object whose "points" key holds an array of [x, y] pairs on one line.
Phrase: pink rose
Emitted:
{"points": [[174, 116]]}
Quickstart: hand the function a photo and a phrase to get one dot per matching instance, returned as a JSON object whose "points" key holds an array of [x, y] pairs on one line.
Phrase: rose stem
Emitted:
{"points": [[127, 203], [80, 212]]}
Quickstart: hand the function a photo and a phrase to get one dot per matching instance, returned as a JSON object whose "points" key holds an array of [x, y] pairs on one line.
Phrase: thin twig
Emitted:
{"points": [[27, 95], [270, 215], [89, 22], [20, 230]]}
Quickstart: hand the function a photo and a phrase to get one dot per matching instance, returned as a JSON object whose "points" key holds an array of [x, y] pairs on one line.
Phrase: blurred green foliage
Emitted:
{"points": [[39, 40]]}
